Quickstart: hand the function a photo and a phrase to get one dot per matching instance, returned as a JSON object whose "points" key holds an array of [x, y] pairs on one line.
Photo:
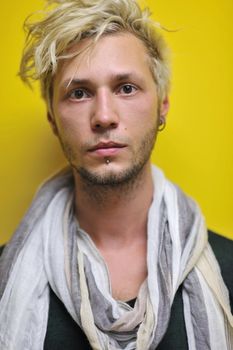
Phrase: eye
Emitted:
{"points": [[127, 89], [78, 94]]}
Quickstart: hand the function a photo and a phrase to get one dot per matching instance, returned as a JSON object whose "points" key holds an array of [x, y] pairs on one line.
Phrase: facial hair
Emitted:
{"points": [[109, 182]]}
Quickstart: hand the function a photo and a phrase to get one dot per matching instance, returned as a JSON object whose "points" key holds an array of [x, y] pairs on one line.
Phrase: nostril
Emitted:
{"points": [[100, 126], [113, 125]]}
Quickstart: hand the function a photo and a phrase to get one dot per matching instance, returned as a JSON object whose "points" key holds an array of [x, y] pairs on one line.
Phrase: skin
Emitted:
{"points": [[107, 94]]}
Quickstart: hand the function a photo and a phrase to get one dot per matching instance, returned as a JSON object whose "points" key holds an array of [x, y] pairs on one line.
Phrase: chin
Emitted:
{"points": [[110, 174]]}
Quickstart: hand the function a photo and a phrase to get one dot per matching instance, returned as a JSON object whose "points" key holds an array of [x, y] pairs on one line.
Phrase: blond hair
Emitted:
{"points": [[70, 21]]}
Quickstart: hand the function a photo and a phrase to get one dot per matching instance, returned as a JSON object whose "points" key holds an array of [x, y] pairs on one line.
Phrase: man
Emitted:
{"points": [[110, 254]]}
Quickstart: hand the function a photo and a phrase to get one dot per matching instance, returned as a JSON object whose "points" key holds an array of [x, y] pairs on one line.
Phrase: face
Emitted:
{"points": [[105, 109]]}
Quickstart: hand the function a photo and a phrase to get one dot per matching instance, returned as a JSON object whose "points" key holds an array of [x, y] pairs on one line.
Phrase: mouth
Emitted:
{"points": [[106, 148], [106, 145]]}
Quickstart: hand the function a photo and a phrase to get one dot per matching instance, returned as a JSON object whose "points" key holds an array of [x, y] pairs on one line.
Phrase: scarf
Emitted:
{"points": [[50, 250]]}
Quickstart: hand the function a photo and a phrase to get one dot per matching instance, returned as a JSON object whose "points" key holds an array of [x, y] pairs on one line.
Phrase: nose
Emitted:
{"points": [[104, 114]]}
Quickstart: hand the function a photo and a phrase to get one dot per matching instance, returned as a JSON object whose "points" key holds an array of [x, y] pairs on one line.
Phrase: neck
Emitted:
{"points": [[117, 214]]}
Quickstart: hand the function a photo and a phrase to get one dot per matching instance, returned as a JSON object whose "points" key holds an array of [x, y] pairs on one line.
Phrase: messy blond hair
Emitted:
{"points": [[68, 22]]}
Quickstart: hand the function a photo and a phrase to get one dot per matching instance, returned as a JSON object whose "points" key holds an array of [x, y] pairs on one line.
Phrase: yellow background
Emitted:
{"points": [[195, 150]]}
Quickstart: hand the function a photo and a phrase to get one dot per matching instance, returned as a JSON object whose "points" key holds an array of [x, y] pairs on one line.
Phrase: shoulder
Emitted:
{"points": [[223, 250], [222, 247]]}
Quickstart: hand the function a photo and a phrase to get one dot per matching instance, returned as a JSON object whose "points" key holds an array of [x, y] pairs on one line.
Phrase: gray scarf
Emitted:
{"points": [[50, 249]]}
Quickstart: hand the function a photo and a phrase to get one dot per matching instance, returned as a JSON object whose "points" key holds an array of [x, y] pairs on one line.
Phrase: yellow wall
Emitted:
{"points": [[195, 150]]}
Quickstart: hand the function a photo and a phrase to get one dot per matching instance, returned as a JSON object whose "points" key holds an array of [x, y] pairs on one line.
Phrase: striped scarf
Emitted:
{"points": [[50, 250]]}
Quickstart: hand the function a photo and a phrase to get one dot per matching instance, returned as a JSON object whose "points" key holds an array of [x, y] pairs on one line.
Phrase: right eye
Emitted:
{"points": [[78, 94]]}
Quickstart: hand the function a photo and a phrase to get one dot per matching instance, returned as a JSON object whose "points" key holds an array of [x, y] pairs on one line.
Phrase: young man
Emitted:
{"points": [[110, 251]]}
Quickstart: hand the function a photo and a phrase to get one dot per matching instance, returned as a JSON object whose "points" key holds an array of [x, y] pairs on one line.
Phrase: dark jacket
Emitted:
{"points": [[64, 333]]}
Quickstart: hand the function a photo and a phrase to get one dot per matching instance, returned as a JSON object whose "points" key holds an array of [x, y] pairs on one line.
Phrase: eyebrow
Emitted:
{"points": [[71, 82], [114, 77]]}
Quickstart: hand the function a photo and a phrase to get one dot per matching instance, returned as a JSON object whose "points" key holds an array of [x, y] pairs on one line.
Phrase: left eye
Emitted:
{"points": [[127, 89], [78, 94]]}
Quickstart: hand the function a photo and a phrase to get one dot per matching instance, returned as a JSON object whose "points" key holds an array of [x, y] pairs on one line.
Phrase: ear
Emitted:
{"points": [[52, 123], [164, 107]]}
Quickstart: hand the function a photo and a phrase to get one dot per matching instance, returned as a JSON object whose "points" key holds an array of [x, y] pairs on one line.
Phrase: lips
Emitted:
{"points": [[105, 149], [106, 145]]}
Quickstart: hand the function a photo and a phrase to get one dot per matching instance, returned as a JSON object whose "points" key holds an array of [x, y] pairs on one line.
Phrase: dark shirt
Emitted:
{"points": [[64, 333]]}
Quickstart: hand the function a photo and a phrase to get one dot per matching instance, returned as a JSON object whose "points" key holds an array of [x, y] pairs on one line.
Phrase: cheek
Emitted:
{"points": [[141, 112], [150, 113], [70, 123]]}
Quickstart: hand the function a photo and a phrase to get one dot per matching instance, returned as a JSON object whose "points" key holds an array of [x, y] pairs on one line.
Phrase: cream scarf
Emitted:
{"points": [[49, 249]]}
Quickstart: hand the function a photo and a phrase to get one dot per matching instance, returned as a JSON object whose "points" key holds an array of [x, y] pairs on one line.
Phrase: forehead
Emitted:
{"points": [[114, 54]]}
